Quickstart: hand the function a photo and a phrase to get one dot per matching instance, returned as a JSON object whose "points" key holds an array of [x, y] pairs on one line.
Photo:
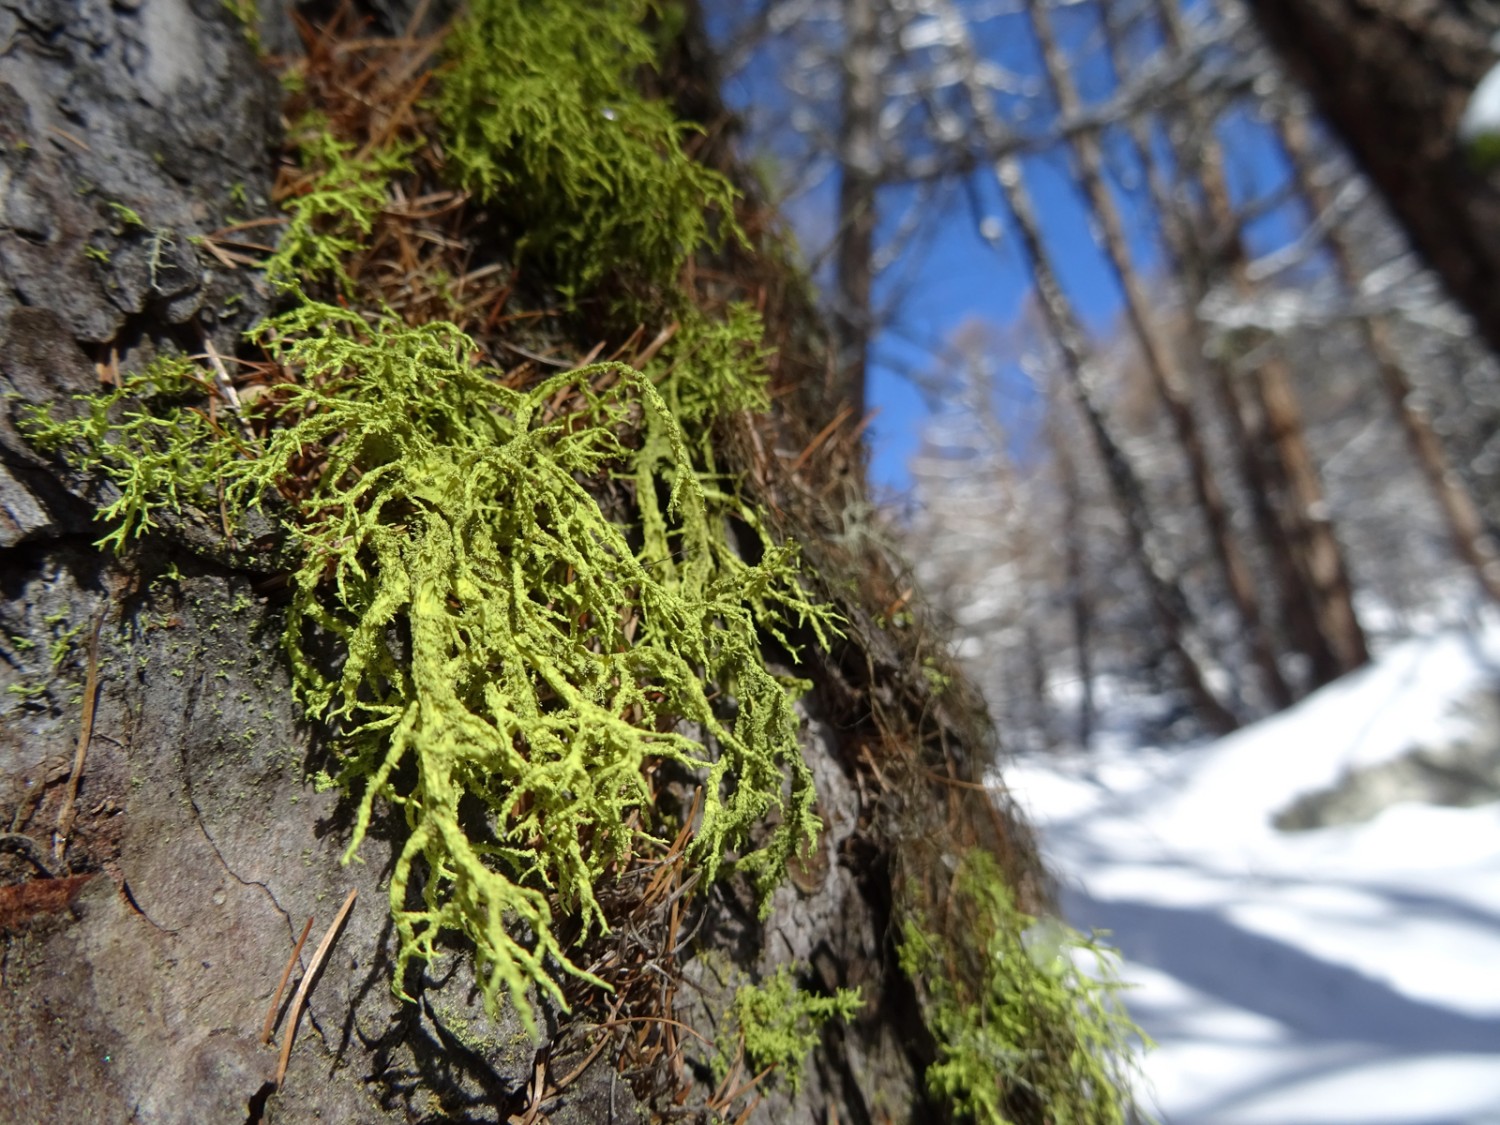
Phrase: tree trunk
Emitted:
{"points": [[1079, 594], [1471, 543], [1169, 604], [859, 169], [1392, 78], [1316, 557], [1165, 377], [1170, 607], [161, 843]]}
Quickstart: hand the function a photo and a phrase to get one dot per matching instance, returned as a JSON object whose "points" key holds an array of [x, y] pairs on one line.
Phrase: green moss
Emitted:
{"points": [[1013, 1014], [542, 114], [781, 1024], [335, 212]]}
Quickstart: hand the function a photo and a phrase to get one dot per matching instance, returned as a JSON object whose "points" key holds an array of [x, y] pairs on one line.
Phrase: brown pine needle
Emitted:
{"points": [[68, 812], [306, 983], [286, 975], [823, 435]]}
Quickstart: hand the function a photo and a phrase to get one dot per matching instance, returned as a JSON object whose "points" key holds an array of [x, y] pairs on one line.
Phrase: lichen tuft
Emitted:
{"points": [[550, 124], [1016, 1020]]}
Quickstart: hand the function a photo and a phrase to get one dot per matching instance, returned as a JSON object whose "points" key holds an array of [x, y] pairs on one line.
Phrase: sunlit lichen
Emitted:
{"points": [[542, 113], [778, 1024], [494, 629], [1015, 1018], [332, 213]]}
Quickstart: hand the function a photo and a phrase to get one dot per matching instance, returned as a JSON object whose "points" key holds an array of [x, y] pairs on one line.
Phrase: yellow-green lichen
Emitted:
{"points": [[334, 210], [542, 114], [1016, 1020], [496, 630], [474, 627], [147, 437], [778, 1024]]}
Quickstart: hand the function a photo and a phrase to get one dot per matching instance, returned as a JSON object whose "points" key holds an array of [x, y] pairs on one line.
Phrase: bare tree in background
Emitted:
{"points": [[1160, 362], [1324, 594], [859, 174], [1471, 541]]}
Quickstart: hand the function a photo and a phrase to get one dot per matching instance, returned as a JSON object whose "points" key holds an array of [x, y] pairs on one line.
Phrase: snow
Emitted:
{"points": [[1346, 975], [1481, 117]]}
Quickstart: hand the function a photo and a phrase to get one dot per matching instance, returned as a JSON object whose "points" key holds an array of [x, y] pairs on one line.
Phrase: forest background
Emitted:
{"points": [[1174, 422]]}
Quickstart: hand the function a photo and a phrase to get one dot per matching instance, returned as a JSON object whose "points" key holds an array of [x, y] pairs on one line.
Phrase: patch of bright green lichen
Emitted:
{"points": [[1013, 1013], [491, 627], [497, 630], [541, 113], [780, 1024], [148, 438], [334, 213]]}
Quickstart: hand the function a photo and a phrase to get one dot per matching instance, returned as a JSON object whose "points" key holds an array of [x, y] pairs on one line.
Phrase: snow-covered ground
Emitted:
{"points": [[1345, 975]]}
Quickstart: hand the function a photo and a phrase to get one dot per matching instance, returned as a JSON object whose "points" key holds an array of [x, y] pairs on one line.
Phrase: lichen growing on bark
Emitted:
{"points": [[776, 1024], [541, 112], [1016, 1018], [495, 628], [519, 605]]}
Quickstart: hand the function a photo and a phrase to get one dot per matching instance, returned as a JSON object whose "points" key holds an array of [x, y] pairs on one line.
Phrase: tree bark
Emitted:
{"points": [[145, 925]]}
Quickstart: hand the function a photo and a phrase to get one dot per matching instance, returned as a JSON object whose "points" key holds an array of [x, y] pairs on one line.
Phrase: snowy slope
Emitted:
{"points": [[1346, 975]]}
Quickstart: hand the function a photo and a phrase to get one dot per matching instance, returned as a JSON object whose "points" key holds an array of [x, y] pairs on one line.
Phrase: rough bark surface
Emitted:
{"points": [[137, 966]]}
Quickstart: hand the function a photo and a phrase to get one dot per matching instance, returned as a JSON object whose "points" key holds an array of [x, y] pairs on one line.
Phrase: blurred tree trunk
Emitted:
{"points": [[1169, 604], [1471, 543], [1079, 594], [1316, 560], [1160, 362], [1392, 78], [1193, 262], [859, 171]]}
